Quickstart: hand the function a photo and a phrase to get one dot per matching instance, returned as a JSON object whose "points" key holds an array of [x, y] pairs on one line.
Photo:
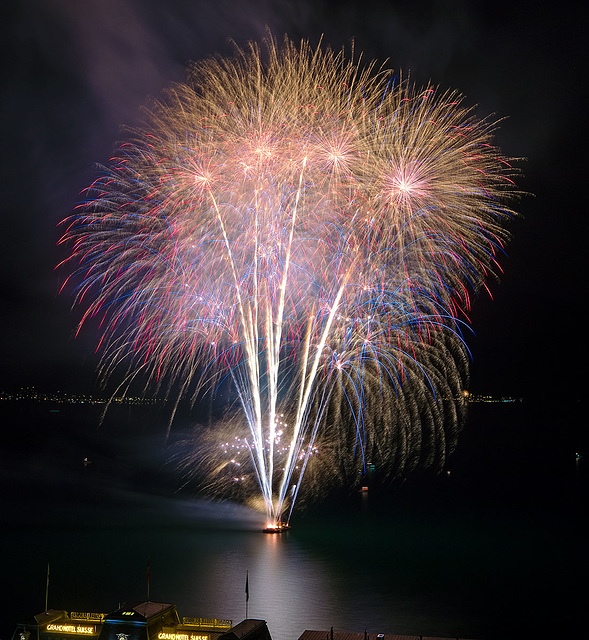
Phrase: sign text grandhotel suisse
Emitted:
{"points": [[72, 628]]}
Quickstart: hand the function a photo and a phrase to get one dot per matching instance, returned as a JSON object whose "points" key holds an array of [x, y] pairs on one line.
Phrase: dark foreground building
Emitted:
{"points": [[142, 621], [160, 621], [347, 635]]}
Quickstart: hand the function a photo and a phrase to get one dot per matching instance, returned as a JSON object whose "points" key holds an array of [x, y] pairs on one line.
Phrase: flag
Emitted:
{"points": [[247, 587]]}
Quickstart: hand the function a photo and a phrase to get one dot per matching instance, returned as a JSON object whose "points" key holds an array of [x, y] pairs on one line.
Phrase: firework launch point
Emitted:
{"points": [[277, 527]]}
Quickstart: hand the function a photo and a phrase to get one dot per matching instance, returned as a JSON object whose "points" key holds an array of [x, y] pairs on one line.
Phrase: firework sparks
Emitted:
{"points": [[313, 230]]}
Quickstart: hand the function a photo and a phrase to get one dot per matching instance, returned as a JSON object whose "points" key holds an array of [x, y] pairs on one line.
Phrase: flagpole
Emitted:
{"points": [[147, 576], [247, 592], [47, 588]]}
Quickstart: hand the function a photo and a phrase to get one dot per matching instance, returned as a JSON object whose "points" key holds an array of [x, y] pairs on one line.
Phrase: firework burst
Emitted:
{"points": [[313, 230]]}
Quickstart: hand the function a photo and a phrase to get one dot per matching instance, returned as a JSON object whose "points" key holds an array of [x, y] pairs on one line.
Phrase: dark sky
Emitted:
{"points": [[73, 72]]}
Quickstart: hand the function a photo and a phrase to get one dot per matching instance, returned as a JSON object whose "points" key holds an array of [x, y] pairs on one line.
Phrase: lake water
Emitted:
{"points": [[495, 550]]}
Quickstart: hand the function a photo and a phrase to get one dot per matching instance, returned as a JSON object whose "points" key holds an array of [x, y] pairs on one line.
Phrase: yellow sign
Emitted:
{"points": [[84, 615], [217, 623], [181, 636], [71, 628]]}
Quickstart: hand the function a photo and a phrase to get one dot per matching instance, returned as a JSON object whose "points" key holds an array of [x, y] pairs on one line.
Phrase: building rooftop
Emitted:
{"points": [[350, 635], [248, 629]]}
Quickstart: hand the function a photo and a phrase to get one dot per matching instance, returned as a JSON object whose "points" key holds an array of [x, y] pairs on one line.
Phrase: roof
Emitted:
{"points": [[49, 616], [149, 609], [140, 612], [43, 618], [253, 629], [349, 635]]}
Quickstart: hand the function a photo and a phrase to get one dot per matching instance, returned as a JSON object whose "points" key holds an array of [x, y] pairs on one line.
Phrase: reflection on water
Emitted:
{"points": [[288, 588]]}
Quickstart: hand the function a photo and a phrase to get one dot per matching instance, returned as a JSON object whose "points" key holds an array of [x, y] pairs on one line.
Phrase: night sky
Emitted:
{"points": [[74, 72]]}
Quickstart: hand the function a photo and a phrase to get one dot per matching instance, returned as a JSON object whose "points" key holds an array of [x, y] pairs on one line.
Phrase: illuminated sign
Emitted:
{"points": [[84, 615], [217, 623], [71, 628], [181, 636]]}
